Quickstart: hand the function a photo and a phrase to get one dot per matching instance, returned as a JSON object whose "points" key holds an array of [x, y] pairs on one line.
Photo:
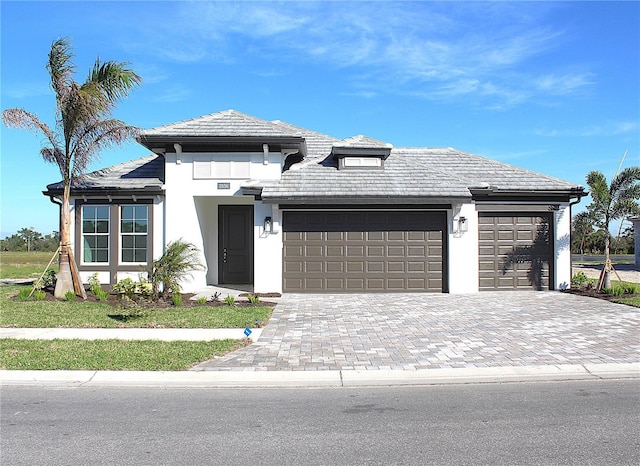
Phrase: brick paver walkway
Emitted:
{"points": [[424, 331]]}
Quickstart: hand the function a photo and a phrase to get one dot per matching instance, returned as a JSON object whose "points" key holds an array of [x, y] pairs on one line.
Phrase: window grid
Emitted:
{"points": [[133, 233], [95, 234]]}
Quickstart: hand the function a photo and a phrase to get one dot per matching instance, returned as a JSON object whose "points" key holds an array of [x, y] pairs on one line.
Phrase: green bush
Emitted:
{"points": [[39, 295], [23, 294], [48, 281], [70, 296], [101, 294], [176, 299], [253, 299], [229, 300], [579, 280], [631, 288], [202, 300], [94, 282]]}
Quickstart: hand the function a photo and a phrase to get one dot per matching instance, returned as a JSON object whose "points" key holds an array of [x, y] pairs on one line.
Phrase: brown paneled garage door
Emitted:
{"points": [[515, 251], [364, 251]]}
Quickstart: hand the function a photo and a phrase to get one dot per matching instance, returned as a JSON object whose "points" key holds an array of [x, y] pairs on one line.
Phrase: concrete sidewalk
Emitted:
{"points": [[161, 334]]}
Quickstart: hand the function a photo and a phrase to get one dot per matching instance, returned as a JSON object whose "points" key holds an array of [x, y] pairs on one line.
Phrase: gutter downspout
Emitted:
{"points": [[57, 202], [571, 204]]}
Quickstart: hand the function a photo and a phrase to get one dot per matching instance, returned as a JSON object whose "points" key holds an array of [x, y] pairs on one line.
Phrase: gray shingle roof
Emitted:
{"points": [[409, 174], [228, 123], [144, 174]]}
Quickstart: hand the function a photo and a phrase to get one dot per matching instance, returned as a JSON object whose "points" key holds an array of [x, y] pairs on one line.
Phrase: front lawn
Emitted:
{"points": [[89, 314], [25, 264], [110, 354]]}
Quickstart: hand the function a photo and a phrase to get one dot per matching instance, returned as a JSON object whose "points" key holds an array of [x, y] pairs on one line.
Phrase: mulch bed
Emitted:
{"points": [[114, 301]]}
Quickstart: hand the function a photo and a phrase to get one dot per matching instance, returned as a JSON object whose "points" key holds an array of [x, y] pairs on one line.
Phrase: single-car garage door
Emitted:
{"points": [[364, 251], [515, 251]]}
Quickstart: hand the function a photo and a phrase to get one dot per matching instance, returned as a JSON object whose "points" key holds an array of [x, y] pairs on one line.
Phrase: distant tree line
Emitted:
{"points": [[589, 240], [27, 239]]}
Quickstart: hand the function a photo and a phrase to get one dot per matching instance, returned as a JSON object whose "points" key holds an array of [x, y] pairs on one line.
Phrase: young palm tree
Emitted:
{"points": [[612, 202], [179, 259], [83, 128]]}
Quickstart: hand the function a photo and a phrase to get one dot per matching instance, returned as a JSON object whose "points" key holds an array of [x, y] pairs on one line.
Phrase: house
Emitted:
{"points": [[288, 209]]}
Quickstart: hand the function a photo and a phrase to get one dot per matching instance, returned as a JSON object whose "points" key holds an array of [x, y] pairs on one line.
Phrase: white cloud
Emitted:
{"points": [[606, 129], [439, 51]]}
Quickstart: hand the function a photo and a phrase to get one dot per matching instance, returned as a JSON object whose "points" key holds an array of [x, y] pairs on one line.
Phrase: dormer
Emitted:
{"points": [[361, 152]]}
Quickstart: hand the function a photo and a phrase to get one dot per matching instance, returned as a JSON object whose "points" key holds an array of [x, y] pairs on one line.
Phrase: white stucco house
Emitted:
{"points": [[286, 209]]}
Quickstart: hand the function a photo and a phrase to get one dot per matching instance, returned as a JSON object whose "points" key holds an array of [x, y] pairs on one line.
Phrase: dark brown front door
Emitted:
{"points": [[235, 254]]}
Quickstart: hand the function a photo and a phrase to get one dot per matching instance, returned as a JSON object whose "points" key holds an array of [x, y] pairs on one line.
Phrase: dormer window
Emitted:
{"points": [[360, 162], [361, 152]]}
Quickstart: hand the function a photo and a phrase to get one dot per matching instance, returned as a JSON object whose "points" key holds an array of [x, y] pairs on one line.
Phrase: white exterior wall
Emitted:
{"points": [[267, 259], [192, 211], [463, 250], [562, 247]]}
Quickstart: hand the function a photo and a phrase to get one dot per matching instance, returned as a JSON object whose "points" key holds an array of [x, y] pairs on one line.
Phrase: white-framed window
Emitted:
{"points": [[95, 234], [134, 233]]}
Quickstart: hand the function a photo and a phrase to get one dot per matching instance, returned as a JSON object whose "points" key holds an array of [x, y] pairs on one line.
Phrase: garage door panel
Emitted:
{"points": [[515, 251], [395, 251]]}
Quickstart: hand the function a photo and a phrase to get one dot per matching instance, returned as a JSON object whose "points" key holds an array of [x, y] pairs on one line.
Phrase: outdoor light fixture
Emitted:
{"points": [[268, 225], [463, 224]]}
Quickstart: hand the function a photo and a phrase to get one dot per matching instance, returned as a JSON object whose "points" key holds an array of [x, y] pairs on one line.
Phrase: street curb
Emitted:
{"points": [[320, 379]]}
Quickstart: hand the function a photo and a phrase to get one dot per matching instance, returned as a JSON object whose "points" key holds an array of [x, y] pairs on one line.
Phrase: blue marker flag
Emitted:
{"points": [[247, 331]]}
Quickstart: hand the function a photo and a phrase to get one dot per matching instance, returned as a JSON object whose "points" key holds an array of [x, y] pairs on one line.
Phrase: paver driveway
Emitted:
{"points": [[423, 331]]}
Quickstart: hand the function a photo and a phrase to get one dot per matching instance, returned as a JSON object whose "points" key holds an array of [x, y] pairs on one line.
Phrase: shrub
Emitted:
{"points": [[39, 295], [94, 283], [70, 296], [253, 299], [229, 300], [23, 294], [631, 288], [579, 280], [125, 287], [202, 300], [176, 299], [48, 281], [101, 294]]}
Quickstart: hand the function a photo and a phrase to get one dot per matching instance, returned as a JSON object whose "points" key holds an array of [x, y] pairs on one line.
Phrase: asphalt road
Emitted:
{"points": [[586, 422]]}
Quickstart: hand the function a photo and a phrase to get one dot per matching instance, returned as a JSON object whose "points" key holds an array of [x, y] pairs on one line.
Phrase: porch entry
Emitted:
{"points": [[235, 245]]}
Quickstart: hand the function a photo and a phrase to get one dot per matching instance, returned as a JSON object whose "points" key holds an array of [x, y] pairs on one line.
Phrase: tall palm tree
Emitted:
{"points": [[611, 202], [83, 128]]}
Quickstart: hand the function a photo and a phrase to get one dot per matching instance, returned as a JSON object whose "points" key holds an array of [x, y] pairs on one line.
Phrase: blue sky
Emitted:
{"points": [[548, 86]]}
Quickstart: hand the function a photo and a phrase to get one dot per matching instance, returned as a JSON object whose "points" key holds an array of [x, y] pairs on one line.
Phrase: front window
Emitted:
{"points": [[134, 230], [95, 233]]}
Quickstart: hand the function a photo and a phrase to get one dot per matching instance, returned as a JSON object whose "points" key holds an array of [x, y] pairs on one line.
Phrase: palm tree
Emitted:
{"points": [[612, 202], [179, 259], [83, 128]]}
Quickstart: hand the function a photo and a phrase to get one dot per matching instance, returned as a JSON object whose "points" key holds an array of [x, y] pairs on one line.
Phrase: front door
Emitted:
{"points": [[235, 254]]}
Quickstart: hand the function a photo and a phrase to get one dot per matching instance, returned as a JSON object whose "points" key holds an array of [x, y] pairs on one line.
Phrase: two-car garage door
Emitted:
{"points": [[364, 251]]}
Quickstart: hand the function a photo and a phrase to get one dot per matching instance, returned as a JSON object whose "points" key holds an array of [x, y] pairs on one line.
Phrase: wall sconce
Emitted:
{"points": [[268, 225], [463, 224]]}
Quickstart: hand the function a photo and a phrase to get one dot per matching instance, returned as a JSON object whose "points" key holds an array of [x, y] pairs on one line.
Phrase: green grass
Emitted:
{"points": [[25, 264], [110, 354], [632, 301], [80, 314]]}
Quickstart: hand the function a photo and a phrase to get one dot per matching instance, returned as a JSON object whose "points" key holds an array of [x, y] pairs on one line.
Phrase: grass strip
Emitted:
{"points": [[79, 314], [122, 355]]}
